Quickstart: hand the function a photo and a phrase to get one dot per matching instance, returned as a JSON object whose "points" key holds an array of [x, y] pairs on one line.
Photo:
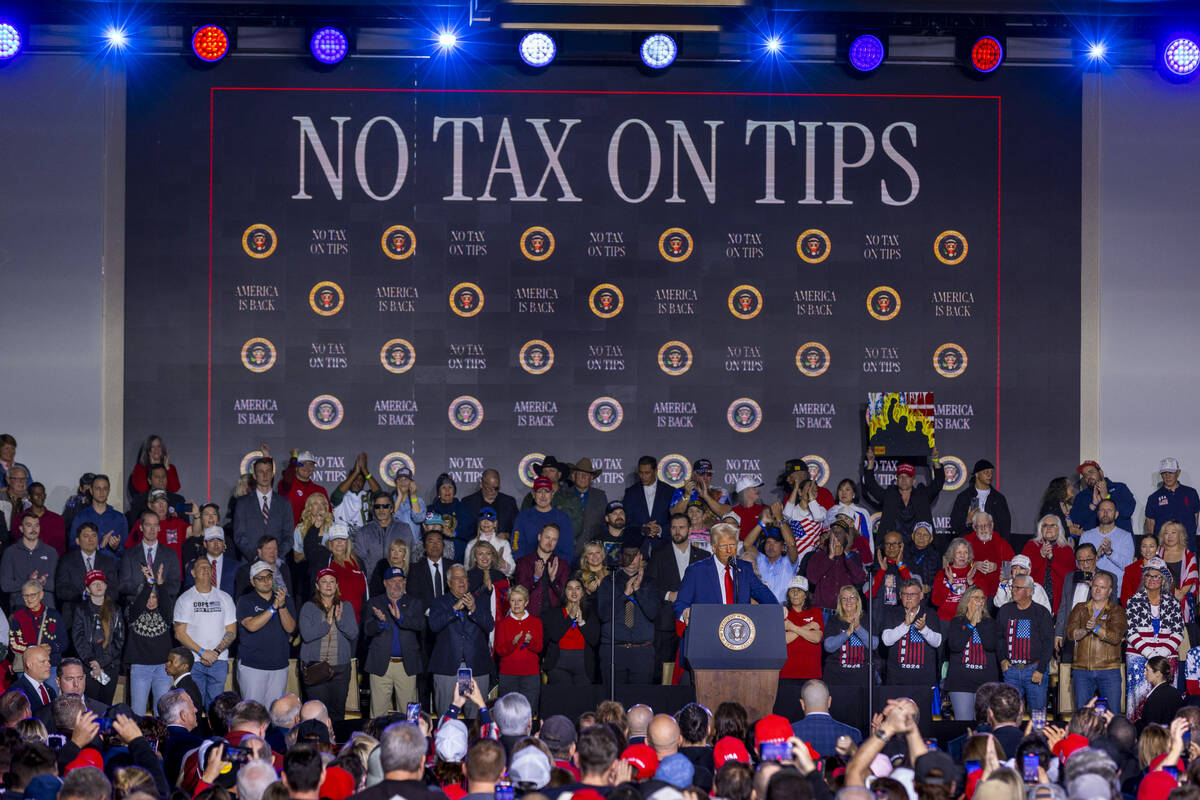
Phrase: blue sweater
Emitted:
{"points": [[529, 524]]}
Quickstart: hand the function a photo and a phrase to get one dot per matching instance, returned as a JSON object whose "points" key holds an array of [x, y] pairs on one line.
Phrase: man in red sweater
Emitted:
{"points": [[519, 646], [296, 484], [990, 552]]}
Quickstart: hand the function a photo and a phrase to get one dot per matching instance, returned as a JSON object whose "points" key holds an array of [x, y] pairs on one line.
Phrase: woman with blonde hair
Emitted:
{"points": [[957, 573], [484, 578], [971, 647], [337, 554], [848, 647], [315, 517], [397, 556], [591, 567]]}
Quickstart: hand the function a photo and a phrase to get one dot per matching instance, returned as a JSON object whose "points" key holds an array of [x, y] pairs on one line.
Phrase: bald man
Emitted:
{"points": [[818, 728], [663, 736], [638, 719]]}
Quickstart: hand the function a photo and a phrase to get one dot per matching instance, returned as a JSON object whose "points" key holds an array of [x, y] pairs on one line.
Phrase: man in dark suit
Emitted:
{"points": [[179, 668], [33, 681], [178, 711], [262, 511], [594, 502], [268, 551], [460, 629], [648, 503], [393, 623], [818, 728], [724, 578], [667, 567], [72, 680], [75, 564], [161, 561], [225, 566], [427, 577], [627, 605], [490, 496]]}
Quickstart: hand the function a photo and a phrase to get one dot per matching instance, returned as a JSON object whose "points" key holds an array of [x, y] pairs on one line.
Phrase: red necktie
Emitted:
{"points": [[266, 509], [214, 563], [729, 584], [45, 697]]}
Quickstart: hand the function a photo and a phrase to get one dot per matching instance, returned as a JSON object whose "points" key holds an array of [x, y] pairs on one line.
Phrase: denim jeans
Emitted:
{"points": [[1034, 694], [210, 680], [1107, 681], [144, 679]]}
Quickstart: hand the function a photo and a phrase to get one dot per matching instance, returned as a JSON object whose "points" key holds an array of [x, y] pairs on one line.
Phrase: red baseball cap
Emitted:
{"points": [[729, 749], [906, 469], [338, 784], [1085, 465], [644, 758], [88, 757], [772, 728], [542, 483]]}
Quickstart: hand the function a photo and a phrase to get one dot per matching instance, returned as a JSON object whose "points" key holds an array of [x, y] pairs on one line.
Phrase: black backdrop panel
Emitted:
{"points": [[464, 267]]}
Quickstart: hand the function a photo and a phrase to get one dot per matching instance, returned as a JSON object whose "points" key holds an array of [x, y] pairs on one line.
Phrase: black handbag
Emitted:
{"points": [[318, 672]]}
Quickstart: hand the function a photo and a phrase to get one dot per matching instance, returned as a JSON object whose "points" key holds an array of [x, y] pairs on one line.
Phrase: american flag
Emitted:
{"points": [[807, 533], [973, 655], [1020, 631], [854, 653], [912, 649]]}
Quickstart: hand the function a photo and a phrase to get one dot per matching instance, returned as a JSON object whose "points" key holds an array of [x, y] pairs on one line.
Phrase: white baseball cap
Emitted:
{"points": [[214, 532], [748, 482], [306, 456], [1169, 465]]}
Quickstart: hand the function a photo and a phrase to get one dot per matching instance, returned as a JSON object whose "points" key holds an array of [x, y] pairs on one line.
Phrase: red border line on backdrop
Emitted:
{"points": [[211, 101]]}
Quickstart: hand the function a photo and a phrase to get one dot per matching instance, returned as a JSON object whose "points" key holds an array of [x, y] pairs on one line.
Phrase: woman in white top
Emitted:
{"points": [[805, 516], [486, 532], [847, 505]]}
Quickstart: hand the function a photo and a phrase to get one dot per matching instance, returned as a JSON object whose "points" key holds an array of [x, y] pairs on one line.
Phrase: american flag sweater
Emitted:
{"points": [[1140, 637], [1024, 637]]}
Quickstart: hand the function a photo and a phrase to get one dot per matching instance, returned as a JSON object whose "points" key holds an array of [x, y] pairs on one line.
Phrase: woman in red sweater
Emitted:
{"points": [[957, 573], [519, 646], [804, 628], [152, 452]]}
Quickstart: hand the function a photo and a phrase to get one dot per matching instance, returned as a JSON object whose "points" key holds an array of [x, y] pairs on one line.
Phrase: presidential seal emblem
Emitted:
{"points": [[398, 242], [605, 414], [950, 247], [465, 413], [325, 412], [813, 246], [326, 298], [537, 243], [744, 415], [745, 301], [466, 299], [247, 463], [675, 244], [258, 355], [606, 301], [675, 358], [525, 467], [818, 469], [397, 356], [883, 303], [956, 473], [536, 356], [736, 632], [950, 360], [390, 464], [812, 359], [674, 469], [259, 240]]}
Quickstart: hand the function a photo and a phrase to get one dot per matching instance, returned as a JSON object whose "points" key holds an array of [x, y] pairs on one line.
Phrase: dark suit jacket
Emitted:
{"points": [[555, 625], [130, 571], [24, 683], [411, 625], [665, 573], [700, 585], [248, 525], [504, 505], [241, 580], [459, 637], [593, 526], [188, 684], [229, 570], [141, 501], [996, 505], [420, 583], [822, 732], [46, 713], [179, 741], [68, 579], [636, 513]]}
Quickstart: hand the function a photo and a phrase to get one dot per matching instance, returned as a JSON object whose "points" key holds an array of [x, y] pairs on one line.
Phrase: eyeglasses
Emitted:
{"points": [[381, 505], [266, 575]]}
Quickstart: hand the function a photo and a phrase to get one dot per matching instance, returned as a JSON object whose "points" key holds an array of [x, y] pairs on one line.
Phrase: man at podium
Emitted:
{"points": [[722, 579]]}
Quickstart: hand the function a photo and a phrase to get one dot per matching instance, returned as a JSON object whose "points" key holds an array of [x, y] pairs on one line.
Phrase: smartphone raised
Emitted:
{"points": [[503, 791], [1029, 768], [414, 712], [1038, 717], [1101, 705], [776, 751], [465, 677]]}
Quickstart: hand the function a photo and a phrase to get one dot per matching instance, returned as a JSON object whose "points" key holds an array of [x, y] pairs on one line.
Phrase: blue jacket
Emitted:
{"points": [[1085, 517], [700, 585], [459, 637], [822, 732]]}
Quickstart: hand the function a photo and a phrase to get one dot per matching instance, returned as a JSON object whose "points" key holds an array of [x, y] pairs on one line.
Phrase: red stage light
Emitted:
{"points": [[986, 53], [210, 43]]}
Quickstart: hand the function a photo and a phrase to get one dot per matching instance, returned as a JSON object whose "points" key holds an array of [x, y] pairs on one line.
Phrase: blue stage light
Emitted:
{"points": [[115, 37], [329, 45], [774, 44], [1181, 56], [537, 49], [447, 40], [1097, 51], [658, 51], [866, 52], [10, 41]]}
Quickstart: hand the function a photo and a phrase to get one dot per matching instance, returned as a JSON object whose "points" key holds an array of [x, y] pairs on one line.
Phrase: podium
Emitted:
{"points": [[736, 652]]}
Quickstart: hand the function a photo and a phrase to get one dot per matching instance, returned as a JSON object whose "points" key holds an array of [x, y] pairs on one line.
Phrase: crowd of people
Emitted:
{"points": [[433, 604]]}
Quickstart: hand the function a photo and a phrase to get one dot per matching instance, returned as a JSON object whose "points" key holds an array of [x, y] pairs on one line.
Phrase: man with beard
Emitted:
{"points": [[594, 502], [297, 484], [990, 553], [565, 499], [628, 619], [981, 496], [490, 496], [54, 531], [532, 520], [666, 568], [1094, 488], [1114, 544], [614, 529]]}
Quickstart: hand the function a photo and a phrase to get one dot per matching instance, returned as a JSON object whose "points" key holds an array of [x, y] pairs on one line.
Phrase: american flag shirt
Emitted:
{"points": [[912, 650], [1020, 645], [974, 656], [853, 653]]}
